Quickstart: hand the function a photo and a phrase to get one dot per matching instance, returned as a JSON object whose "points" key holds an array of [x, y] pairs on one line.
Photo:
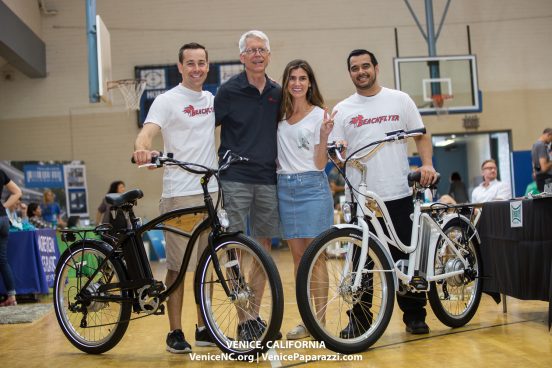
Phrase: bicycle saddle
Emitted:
{"points": [[116, 199], [415, 176]]}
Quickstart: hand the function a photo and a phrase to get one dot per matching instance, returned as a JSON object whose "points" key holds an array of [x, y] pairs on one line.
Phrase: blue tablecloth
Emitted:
{"points": [[32, 256]]}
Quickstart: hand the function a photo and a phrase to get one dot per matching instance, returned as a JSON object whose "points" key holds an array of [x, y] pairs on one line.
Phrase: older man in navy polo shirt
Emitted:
{"points": [[246, 107]]}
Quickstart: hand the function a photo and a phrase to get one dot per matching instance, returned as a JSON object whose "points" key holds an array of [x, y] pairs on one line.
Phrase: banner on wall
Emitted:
{"points": [[75, 190], [43, 176]]}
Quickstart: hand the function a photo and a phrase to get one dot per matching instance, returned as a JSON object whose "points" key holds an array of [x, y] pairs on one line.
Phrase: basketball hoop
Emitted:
{"points": [[131, 89], [440, 103]]}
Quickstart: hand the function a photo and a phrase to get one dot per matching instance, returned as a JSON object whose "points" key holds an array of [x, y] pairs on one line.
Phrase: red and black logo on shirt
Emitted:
{"points": [[192, 111], [359, 120]]}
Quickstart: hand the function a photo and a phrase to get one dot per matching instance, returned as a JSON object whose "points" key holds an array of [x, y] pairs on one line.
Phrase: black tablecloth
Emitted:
{"points": [[517, 261]]}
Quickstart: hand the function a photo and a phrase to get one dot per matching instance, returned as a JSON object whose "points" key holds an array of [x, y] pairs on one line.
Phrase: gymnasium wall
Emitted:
{"points": [[51, 118]]}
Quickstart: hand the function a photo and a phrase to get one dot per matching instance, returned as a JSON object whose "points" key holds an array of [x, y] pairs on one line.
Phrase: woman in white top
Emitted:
{"points": [[304, 198]]}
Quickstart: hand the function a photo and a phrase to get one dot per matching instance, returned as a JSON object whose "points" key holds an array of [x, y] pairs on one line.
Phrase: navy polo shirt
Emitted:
{"points": [[249, 124]]}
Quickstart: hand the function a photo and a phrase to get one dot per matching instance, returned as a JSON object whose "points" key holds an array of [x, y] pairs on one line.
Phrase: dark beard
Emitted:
{"points": [[371, 82]]}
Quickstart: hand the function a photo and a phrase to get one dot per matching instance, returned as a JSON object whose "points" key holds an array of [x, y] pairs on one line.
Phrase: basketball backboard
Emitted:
{"points": [[104, 59], [440, 84]]}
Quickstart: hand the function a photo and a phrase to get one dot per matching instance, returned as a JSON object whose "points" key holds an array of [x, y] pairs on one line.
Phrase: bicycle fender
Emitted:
{"points": [[449, 217], [385, 248]]}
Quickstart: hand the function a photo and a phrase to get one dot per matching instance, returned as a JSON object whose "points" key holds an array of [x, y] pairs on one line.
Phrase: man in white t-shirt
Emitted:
{"points": [[367, 116], [185, 117], [490, 189]]}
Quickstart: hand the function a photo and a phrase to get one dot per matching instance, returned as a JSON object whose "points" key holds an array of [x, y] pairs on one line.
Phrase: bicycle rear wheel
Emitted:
{"points": [[454, 300], [243, 323], [92, 326], [347, 321]]}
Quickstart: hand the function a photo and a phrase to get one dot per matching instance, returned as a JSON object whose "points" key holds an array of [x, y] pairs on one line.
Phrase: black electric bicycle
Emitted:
{"points": [[101, 284]]}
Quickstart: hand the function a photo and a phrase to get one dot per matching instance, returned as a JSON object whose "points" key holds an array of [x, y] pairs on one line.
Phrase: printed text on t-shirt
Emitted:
{"points": [[359, 120], [191, 111]]}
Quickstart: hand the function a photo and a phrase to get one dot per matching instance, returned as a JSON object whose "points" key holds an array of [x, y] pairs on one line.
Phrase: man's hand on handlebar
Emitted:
{"points": [[429, 175], [145, 157], [338, 149]]}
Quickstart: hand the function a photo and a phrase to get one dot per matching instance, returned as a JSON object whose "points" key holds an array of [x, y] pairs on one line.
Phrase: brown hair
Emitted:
{"points": [[191, 46], [487, 161], [314, 97]]}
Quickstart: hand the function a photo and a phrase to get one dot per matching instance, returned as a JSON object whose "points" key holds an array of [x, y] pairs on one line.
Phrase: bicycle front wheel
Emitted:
{"points": [[347, 319], [243, 322], [92, 326], [455, 299]]}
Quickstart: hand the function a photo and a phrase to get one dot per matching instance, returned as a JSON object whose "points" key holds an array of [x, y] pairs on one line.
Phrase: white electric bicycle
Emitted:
{"points": [[347, 273]]}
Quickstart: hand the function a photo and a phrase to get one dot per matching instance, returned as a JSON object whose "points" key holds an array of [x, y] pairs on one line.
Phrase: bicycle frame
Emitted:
{"points": [[425, 235], [423, 242], [137, 263]]}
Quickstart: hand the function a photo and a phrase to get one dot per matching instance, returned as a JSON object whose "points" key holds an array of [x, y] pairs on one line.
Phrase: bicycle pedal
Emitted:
{"points": [[156, 288], [160, 311], [419, 283]]}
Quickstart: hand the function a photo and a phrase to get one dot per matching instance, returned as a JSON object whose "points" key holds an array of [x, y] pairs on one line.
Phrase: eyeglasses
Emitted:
{"points": [[490, 168], [262, 51]]}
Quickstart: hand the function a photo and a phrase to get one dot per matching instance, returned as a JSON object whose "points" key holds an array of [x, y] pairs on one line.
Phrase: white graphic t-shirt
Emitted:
{"points": [[296, 143], [187, 122], [361, 120]]}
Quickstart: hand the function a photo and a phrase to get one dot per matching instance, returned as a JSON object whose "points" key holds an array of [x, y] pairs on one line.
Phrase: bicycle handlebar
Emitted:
{"points": [[229, 158], [395, 135]]}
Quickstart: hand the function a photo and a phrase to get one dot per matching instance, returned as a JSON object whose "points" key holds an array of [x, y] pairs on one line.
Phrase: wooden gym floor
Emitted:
{"points": [[519, 338]]}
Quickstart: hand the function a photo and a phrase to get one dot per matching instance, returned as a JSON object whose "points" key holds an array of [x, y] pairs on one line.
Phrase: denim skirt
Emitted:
{"points": [[305, 203]]}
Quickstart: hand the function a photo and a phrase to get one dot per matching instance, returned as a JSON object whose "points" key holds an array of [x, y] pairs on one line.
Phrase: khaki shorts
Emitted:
{"points": [[175, 245], [256, 202]]}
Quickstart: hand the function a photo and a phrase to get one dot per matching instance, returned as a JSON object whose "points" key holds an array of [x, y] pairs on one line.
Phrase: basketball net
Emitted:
{"points": [[131, 89], [440, 105]]}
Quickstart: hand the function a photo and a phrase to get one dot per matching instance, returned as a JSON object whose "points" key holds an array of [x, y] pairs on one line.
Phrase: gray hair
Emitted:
{"points": [[253, 34]]}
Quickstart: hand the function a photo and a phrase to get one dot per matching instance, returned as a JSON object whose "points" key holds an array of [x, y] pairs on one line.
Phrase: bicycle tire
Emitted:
{"points": [[103, 324], [377, 295], [447, 297], [243, 262]]}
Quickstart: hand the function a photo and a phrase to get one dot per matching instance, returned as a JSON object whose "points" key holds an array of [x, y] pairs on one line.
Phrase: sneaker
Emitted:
{"points": [[417, 327], [355, 327], [10, 301], [176, 343], [298, 332], [262, 325], [247, 330], [252, 329], [203, 338]]}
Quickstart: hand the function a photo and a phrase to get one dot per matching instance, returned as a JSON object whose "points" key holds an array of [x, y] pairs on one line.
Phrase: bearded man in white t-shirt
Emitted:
{"points": [[367, 116], [185, 117]]}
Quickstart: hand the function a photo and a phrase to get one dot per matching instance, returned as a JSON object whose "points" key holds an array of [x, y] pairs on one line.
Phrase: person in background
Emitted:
{"points": [[5, 269], [17, 213], [532, 187], [185, 118], [457, 189], [367, 116], [540, 156], [51, 212], [337, 185], [491, 188], [246, 107], [103, 216], [34, 212], [304, 198], [447, 199]]}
